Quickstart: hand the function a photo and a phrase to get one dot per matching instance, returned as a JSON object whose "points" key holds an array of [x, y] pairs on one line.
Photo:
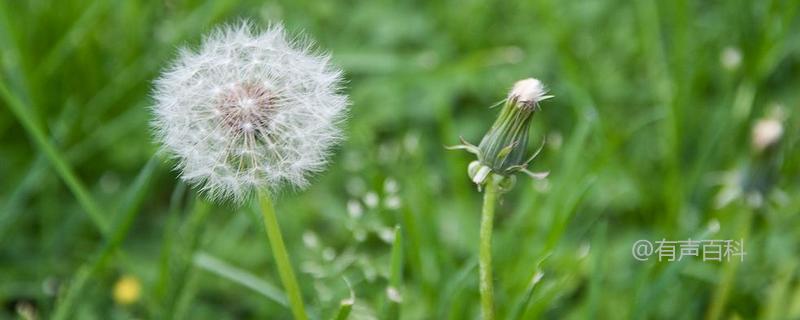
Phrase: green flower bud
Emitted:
{"points": [[502, 150], [503, 147]]}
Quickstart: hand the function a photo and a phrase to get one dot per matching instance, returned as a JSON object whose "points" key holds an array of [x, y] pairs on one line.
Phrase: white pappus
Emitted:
{"points": [[249, 110]]}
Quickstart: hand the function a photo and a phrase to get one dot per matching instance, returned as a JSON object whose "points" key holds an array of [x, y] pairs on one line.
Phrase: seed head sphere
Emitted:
{"points": [[249, 110]]}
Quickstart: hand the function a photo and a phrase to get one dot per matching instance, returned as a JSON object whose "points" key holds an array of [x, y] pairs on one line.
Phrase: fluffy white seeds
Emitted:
{"points": [[529, 91], [248, 110]]}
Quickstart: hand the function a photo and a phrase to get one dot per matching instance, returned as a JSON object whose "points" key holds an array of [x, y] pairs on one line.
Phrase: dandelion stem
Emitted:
{"points": [[485, 254], [281, 257]]}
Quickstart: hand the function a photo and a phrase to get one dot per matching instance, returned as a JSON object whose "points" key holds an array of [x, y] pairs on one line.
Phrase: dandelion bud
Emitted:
{"points": [[504, 146], [249, 111], [502, 150]]}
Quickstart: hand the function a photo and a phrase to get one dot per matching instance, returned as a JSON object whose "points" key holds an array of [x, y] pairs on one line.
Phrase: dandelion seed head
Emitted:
{"points": [[249, 110]]}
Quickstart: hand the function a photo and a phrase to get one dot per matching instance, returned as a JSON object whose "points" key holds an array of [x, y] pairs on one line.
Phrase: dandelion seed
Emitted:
{"points": [[249, 110]]}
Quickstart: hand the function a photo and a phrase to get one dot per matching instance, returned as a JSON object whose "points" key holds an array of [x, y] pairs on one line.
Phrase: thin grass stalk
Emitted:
{"points": [[23, 114]]}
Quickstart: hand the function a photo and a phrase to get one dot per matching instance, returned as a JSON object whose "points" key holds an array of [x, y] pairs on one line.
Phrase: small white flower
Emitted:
{"points": [[249, 110]]}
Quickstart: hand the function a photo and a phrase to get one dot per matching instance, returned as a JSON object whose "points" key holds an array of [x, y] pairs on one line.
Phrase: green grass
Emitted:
{"points": [[644, 121]]}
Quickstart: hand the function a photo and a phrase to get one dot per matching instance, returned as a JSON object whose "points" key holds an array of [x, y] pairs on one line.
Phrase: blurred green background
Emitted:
{"points": [[655, 101]]}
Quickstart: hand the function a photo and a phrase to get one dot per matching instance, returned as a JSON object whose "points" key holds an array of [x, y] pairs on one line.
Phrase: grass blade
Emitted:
{"points": [[167, 245], [522, 305], [346, 305], [218, 267], [56, 159], [128, 212], [393, 292], [178, 284]]}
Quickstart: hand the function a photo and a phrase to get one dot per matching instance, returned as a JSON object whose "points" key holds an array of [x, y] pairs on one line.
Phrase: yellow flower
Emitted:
{"points": [[127, 290]]}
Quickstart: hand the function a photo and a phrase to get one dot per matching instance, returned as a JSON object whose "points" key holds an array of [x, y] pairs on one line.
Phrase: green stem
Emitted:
{"points": [[485, 255], [281, 257]]}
